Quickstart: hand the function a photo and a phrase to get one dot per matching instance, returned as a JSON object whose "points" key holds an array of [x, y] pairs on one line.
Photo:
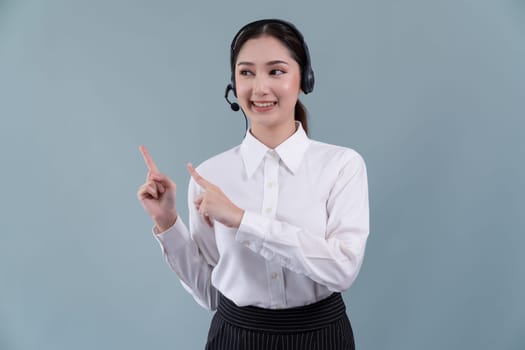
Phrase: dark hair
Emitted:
{"points": [[292, 39]]}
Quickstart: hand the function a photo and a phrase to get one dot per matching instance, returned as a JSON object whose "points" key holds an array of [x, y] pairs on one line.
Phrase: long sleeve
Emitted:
{"points": [[332, 258], [192, 253]]}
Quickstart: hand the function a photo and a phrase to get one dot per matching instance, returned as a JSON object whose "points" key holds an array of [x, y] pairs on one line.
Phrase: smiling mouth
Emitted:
{"points": [[263, 104]]}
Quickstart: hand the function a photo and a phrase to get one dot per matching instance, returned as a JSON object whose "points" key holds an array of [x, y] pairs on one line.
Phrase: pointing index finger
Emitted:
{"points": [[197, 177], [149, 161]]}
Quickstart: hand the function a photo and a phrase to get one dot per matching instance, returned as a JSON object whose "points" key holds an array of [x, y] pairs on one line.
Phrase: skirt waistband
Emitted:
{"points": [[297, 319]]}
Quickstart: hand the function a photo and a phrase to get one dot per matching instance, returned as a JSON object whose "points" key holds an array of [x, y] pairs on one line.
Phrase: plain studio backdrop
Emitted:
{"points": [[431, 93]]}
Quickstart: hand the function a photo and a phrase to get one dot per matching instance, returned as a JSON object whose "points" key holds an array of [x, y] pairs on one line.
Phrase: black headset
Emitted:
{"points": [[307, 73]]}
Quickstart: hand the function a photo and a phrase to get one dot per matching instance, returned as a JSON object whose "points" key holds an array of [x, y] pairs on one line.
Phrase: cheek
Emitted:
{"points": [[290, 89], [292, 85], [241, 88]]}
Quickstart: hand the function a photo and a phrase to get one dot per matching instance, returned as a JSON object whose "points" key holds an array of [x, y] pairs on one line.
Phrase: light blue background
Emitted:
{"points": [[431, 93]]}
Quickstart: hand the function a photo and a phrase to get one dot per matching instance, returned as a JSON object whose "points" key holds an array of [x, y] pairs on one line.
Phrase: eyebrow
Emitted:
{"points": [[270, 63]]}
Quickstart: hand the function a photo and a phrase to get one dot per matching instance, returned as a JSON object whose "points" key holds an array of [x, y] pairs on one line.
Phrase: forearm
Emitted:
{"points": [[185, 259], [333, 260]]}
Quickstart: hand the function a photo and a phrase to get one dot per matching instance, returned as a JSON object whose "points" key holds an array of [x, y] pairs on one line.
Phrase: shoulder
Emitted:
{"points": [[220, 164], [338, 165], [335, 154]]}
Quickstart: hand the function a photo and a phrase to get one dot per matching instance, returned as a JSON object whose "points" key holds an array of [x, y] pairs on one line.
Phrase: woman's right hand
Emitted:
{"points": [[157, 195]]}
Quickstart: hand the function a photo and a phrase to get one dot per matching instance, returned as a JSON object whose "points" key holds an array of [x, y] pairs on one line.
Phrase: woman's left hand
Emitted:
{"points": [[213, 204]]}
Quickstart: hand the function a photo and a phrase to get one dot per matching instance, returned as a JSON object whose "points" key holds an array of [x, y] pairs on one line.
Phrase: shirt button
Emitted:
{"points": [[246, 242], [270, 184], [274, 275], [268, 210], [279, 306]]}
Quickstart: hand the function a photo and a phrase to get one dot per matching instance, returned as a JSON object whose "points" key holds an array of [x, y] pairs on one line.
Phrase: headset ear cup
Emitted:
{"points": [[308, 81], [308, 78]]}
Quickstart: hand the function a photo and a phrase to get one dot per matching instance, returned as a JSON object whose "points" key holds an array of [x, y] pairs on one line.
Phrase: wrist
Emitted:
{"points": [[165, 224], [238, 219]]}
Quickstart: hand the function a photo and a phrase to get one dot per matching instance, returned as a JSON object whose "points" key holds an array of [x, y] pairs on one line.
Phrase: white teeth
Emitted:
{"points": [[265, 104]]}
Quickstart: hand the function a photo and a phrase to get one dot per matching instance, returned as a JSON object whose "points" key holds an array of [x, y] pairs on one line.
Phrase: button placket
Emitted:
{"points": [[269, 208], [274, 273], [271, 187]]}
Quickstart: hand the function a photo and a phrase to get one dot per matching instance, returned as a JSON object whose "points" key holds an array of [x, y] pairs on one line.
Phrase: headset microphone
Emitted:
{"points": [[233, 105]]}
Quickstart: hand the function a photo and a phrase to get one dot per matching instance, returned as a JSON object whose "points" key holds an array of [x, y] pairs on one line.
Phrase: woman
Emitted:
{"points": [[278, 225]]}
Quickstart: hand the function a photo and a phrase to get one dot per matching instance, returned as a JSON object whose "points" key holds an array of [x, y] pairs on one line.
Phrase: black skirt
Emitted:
{"points": [[323, 325]]}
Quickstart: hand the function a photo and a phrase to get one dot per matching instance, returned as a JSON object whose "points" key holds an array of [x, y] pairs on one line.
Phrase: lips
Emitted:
{"points": [[263, 104]]}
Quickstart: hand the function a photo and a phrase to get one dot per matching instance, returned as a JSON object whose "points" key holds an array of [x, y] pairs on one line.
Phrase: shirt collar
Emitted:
{"points": [[291, 151]]}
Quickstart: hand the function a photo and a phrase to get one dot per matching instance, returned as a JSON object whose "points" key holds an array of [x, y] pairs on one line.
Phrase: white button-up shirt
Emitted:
{"points": [[302, 235]]}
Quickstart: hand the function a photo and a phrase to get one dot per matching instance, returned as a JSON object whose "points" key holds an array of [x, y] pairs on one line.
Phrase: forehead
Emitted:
{"points": [[264, 49]]}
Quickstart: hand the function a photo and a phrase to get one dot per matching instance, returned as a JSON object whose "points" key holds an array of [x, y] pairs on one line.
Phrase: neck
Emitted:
{"points": [[273, 137]]}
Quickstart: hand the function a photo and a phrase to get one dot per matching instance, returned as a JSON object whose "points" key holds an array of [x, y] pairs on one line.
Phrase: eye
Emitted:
{"points": [[277, 72], [245, 72]]}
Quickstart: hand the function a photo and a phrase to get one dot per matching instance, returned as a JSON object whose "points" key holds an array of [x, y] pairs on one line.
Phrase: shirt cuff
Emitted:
{"points": [[174, 238], [253, 230]]}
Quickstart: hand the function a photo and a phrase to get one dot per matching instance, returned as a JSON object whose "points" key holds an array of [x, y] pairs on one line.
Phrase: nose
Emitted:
{"points": [[260, 85]]}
